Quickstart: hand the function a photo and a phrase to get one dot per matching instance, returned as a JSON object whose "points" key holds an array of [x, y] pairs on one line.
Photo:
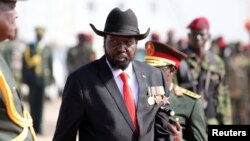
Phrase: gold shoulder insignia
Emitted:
{"points": [[187, 92]]}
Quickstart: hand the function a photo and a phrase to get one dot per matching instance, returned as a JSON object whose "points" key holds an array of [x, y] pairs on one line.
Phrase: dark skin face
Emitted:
{"points": [[169, 72], [198, 40], [120, 50], [8, 16]]}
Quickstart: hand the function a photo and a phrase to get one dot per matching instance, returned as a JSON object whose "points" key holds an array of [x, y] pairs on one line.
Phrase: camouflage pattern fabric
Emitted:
{"points": [[206, 77]]}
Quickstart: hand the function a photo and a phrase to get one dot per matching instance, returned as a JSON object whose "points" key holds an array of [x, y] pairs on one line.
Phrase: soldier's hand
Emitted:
{"points": [[175, 131]]}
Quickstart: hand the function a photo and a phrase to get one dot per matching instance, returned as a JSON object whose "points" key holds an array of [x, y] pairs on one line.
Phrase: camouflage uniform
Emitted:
{"points": [[206, 77], [238, 82], [80, 54]]}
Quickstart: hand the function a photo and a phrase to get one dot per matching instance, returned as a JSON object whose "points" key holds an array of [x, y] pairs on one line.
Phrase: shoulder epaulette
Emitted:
{"points": [[179, 91]]}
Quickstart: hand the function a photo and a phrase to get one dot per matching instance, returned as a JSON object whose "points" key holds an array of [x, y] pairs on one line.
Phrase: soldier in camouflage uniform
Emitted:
{"points": [[203, 72], [15, 123], [186, 104], [81, 54], [37, 72], [238, 83]]}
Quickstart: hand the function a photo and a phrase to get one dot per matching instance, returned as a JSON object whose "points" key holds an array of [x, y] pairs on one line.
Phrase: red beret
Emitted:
{"points": [[155, 36], [86, 36], [199, 24], [221, 42], [247, 25], [159, 54]]}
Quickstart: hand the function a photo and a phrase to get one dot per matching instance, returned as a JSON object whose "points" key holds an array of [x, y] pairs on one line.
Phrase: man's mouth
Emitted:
{"points": [[121, 57]]}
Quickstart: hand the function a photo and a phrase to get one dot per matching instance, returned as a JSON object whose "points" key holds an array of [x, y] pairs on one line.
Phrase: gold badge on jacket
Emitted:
{"points": [[155, 94]]}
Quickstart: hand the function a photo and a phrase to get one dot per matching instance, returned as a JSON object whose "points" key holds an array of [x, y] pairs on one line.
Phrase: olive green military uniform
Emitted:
{"points": [[79, 55], [186, 104], [37, 73], [15, 123], [188, 109], [206, 77]]}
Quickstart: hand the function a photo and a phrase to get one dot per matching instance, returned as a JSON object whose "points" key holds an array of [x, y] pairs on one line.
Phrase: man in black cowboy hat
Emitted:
{"points": [[114, 98]]}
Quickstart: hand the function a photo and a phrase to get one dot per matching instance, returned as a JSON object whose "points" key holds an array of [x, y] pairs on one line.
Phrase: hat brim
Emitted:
{"points": [[101, 33]]}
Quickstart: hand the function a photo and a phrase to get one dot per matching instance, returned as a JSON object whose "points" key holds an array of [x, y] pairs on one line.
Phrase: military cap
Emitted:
{"points": [[160, 55], [86, 36], [40, 30], [199, 23], [82, 35], [221, 42]]}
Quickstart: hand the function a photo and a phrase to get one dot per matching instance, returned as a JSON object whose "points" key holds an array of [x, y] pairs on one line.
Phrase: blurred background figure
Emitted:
{"points": [[12, 52], [37, 73], [171, 38], [238, 83], [247, 26], [183, 44], [155, 36], [218, 46], [80, 54], [59, 68]]}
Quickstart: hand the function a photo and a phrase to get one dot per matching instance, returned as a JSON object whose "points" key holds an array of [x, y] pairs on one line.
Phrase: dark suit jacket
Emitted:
{"points": [[92, 104]]}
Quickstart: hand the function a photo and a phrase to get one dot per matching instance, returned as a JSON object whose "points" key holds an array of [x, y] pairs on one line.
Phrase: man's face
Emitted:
{"points": [[198, 40], [169, 72], [7, 20], [120, 50]]}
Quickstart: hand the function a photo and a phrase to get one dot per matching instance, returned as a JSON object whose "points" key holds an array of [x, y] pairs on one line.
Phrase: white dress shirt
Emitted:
{"points": [[131, 80]]}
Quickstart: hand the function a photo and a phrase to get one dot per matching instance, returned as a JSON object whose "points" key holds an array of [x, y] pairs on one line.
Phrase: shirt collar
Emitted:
{"points": [[117, 72]]}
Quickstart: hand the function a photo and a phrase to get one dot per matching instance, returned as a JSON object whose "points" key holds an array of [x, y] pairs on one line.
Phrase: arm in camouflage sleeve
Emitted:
{"points": [[224, 107]]}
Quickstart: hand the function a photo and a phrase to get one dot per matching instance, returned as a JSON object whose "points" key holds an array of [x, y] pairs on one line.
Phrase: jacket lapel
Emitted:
{"points": [[142, 94], [109, 82]]}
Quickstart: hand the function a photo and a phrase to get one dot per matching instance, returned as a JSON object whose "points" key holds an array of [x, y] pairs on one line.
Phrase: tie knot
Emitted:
{"points": [[124, 77]]}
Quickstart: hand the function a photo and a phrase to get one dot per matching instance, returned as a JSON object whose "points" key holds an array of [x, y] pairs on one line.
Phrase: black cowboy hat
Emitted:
{"points": [[122, 24]]}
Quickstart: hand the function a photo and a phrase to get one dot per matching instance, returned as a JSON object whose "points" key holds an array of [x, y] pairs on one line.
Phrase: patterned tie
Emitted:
{"points": [[129, 100]]}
